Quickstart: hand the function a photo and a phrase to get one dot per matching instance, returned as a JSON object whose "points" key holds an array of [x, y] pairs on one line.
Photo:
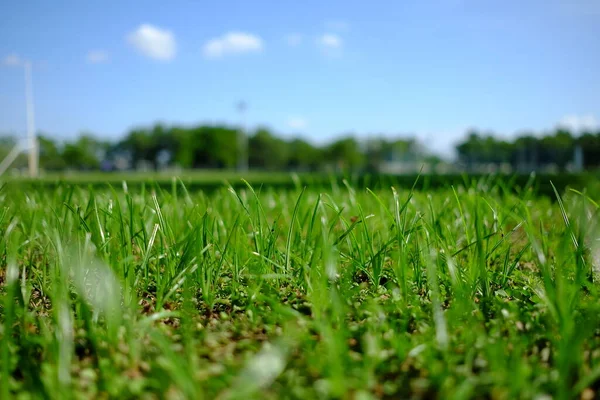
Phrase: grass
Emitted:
{"points": [[480, 290], [213, 180]]}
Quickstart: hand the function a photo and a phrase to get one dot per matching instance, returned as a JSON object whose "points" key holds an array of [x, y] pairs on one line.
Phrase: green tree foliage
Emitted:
{"points": [[142, 146], [478, 148], [267, 151], [528, 151], [217, 147], [557, 148], [85, 153], [380, 150], [304, 156], [590, 146], [51, 157], [345, 154]]}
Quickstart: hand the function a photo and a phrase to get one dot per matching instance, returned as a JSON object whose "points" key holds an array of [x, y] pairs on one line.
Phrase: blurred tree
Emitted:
{"points": [[590, 147], [471, 151], [557, 149], [526, 155], [376, 152], [404, 150], [345, 153], [140, 144], [185, 146], [85, 153], [51, 157], [380, 150], [267, 151], [304, 156], [164, 145], [214, 147]]}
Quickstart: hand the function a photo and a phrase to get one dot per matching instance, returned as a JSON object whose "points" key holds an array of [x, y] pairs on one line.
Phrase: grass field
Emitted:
{"points": [[480, 290], [213, 180]]}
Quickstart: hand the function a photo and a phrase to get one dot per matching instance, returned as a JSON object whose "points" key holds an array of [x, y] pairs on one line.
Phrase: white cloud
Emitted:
{"points": [[297, 123], [153, 42], [97, 56], [579, 123], [330, 41], [330, 44], [12, 60], [294, 39], [233, 43]]}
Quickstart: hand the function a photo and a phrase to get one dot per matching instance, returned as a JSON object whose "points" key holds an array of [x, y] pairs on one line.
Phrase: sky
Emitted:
{"points": [[315, 68]]}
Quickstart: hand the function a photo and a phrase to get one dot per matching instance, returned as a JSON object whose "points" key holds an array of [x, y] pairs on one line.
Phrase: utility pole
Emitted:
{"points": [[242, 142], [31, 137]]}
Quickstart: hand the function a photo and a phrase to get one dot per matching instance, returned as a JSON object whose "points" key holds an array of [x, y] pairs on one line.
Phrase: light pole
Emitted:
{"points": [[242, 142], [31, 138], [32, 142]]}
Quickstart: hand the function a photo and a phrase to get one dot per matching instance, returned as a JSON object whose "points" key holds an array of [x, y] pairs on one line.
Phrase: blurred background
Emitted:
{"points": [[381, 86]]}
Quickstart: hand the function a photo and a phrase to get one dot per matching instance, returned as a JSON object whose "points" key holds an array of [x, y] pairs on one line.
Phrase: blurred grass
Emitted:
{"points": [[215, 179]]}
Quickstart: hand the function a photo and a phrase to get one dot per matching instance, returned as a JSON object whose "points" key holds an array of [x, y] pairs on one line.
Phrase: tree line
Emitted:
{"points": [[218, 147], [559, 148], [213, 147]]}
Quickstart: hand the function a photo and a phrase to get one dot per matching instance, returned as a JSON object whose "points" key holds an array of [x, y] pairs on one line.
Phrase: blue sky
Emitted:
{"points": [[319, 68]]}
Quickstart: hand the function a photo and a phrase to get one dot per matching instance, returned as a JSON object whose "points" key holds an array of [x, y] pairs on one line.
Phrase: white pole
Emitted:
{"points": [[31, 138], [10, 158]]}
